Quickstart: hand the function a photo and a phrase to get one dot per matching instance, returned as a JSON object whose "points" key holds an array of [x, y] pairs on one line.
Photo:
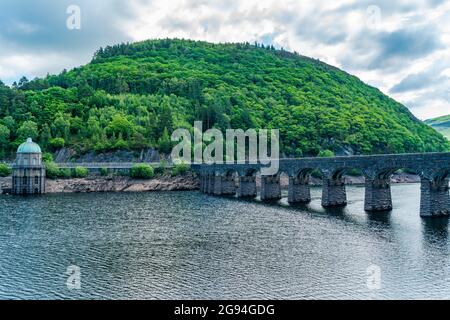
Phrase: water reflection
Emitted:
{"points": [[193, 246], [380, 218], [435, 231]]}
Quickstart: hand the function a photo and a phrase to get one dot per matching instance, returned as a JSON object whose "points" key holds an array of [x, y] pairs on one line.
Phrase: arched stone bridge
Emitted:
{"points": [[433, 169]]}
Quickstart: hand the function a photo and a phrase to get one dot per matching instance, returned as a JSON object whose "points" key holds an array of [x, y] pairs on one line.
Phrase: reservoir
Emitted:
{"points": [[187, 245]]}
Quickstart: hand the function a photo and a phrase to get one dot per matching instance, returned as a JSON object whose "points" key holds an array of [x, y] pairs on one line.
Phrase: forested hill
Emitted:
{"points": [[441, 124], [131, 96]]}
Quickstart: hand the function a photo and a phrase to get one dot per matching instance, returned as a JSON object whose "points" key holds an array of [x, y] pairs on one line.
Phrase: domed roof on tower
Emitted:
{"points": [[29, 147]]}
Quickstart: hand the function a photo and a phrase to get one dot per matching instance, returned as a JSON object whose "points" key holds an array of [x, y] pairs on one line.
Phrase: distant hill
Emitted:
{"points": [[441, 124], [131, 96]]}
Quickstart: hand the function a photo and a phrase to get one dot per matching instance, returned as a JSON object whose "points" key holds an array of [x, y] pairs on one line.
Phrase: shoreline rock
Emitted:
{"points": [[115, 184]]}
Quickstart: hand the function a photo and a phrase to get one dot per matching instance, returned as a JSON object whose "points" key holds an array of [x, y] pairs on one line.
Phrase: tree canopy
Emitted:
{"points": [[131, 96]]}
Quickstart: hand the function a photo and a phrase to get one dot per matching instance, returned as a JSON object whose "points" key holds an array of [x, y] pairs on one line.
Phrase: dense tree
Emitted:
{"points": [[29, 129], [132, 96], [4, 170], [164, 143], [4, 139]]}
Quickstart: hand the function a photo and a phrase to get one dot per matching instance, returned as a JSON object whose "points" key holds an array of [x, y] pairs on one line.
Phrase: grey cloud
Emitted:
{"points": [[413, 82], [439, 93], [46, 20], [389, 7], [390, 51], [429, 78], [407, 43], [316, 27], [431, 87], [175, 23], [39, 28]]}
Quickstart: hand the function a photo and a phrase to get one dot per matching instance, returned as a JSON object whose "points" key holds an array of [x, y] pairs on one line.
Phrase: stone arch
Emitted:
{"points": [[339, 173], [441, 175], [250, 172], [387, 173], [304, 173], [230, 173]]}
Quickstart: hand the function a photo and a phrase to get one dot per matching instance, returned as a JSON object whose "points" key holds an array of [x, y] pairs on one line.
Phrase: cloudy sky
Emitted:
{"points": [[401, 47]]}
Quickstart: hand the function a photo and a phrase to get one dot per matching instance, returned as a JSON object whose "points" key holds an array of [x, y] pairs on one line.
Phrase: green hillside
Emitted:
{"points": [[131, 96], [441, 124]]}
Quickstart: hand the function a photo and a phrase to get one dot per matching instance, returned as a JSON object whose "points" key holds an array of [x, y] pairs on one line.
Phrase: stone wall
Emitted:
{"points": [[270, 188], [435, 199], [334, 193], [378, 195]]}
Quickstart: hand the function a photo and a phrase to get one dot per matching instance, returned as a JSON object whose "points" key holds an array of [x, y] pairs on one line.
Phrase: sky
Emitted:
{"points": [[401, 47]]}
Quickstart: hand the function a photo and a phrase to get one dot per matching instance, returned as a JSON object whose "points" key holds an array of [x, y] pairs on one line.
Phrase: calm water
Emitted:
{"points": [[192, 246]]}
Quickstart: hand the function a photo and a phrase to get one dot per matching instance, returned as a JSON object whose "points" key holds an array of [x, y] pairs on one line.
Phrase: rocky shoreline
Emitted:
{"points": [[115, 184], [161, 183]]}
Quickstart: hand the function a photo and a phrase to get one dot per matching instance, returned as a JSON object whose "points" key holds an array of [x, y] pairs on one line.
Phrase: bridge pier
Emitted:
{"points": [[210, 187], [435, 198], [270, 188], [205, 184], [224, 185], [378, 195], [228, 185], [247, 187], [299, 191], [433, 168], [333, 192], [217, 186], [204, 179]]}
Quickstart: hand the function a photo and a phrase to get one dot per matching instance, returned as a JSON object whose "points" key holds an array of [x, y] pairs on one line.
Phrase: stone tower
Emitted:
{"points": [[28, 170]]}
